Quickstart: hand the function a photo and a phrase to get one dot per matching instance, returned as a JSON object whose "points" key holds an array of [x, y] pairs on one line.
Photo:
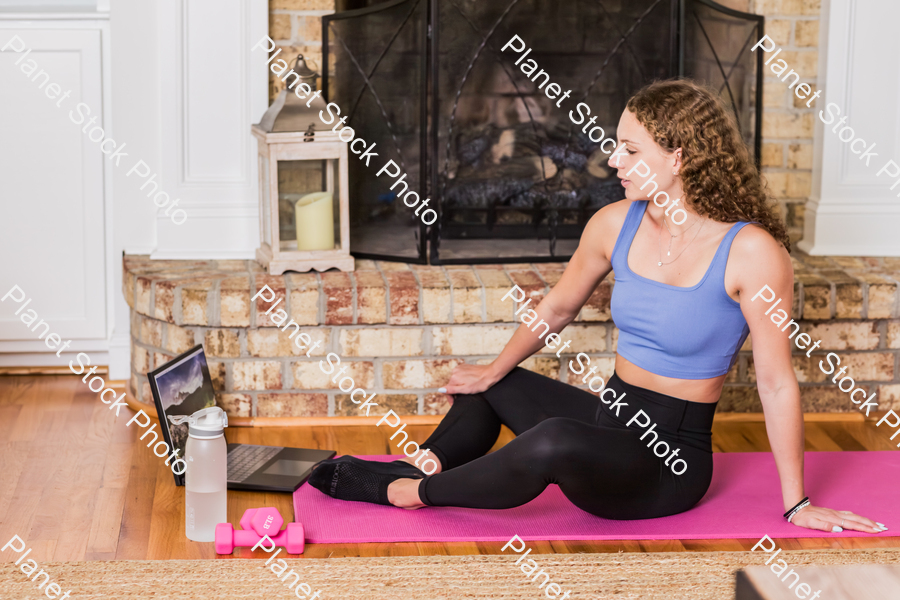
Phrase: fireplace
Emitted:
{"points": [[510, 175]]}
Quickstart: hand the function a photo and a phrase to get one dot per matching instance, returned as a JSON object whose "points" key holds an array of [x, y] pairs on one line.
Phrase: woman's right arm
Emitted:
{"points": [[589, 265]]}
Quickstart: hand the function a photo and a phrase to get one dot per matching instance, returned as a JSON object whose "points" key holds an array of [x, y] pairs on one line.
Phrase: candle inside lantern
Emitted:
{"points": [[314, 220]]}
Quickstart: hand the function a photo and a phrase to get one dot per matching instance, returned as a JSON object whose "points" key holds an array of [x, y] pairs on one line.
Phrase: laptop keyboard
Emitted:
{"points": [[245, 460]]}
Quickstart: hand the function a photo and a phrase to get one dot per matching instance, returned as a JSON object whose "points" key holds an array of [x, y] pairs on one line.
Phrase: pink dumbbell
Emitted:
{"points": [[256, 523]]}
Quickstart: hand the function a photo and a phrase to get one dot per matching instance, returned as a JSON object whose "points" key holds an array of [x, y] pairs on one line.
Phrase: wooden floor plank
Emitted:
{"points": [[33, 484], [9, 414], [81, 490], [38, 450], [167, 526], [717, 545], [845, 438], [28, 422], [19, 390], [662, 546], [77, 483], [109, 502], [134, 531], [868, 435], [16, 459], [818, 439]]}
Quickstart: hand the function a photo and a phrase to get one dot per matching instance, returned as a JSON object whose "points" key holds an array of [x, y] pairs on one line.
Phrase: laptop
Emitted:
{"points": [[183, 386]]}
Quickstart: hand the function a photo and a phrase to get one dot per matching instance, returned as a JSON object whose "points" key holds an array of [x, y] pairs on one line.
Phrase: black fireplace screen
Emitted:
{"points": [[511, 177]]}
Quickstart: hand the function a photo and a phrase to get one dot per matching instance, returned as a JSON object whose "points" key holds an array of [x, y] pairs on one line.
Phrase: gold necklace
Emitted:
{"points": [[661, 263]]}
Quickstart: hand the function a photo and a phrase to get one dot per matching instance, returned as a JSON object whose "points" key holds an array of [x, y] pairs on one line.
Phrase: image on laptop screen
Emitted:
{"points": [[182, 386]]}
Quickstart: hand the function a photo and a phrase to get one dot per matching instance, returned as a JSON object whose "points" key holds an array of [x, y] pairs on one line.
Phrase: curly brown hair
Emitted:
{"points": [[718, 177]]}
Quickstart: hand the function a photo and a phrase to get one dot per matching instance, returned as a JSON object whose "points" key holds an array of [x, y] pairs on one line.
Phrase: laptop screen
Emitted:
{"points": [[182, 386]]}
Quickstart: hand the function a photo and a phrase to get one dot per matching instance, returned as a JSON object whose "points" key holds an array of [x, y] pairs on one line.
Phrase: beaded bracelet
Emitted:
{"points": [[790, 510], [800, 506]]}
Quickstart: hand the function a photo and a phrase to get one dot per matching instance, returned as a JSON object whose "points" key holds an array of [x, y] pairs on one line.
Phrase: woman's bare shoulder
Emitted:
{"points": [[603, 229], [755, 249], [611, 217], [615, 211]]}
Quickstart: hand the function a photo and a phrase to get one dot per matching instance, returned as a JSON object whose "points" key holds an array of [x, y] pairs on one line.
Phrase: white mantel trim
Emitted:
{"points": [[222, 207], [851, 210]]}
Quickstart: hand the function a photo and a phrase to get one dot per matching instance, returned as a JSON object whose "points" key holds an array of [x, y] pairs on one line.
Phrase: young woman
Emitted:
{"points": [[682, 304]]}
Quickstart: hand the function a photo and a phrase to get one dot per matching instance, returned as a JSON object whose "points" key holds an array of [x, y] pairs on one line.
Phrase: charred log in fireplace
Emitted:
{"points": [[512, 178]]}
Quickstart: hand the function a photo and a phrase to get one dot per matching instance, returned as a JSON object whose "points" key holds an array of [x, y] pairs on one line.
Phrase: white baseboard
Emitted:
{"points": [[49, 359], [840, 227], [34, 347], [120, 356]]}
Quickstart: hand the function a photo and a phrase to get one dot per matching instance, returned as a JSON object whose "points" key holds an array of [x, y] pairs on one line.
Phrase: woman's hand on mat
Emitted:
{"points": [[826, 519], [471, 379]]}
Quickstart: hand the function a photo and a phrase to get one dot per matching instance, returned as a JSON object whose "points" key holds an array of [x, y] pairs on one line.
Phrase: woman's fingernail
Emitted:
{"points": [[442, 390], [837, 529], [880, 525]]}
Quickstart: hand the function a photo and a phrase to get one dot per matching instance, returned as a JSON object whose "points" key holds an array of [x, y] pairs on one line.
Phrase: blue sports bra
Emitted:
{"points": [[681, 332]]}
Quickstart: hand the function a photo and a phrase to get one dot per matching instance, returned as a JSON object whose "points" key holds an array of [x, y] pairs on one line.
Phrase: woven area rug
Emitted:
{"points": [[621, 576]]}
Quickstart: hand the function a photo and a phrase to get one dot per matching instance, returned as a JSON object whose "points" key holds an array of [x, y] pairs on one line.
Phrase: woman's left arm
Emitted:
{"points": [[763, 274]]}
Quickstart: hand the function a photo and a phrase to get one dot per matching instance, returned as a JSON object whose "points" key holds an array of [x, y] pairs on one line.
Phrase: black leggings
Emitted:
{"points": [[567, 436]]}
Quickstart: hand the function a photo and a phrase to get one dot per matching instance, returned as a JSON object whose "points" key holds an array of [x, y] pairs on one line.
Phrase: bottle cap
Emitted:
{"points": [[205, 423]]}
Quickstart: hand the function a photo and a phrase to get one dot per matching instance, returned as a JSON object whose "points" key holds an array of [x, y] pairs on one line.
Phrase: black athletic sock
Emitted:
{"points": [[351, 478], [419, 469]]}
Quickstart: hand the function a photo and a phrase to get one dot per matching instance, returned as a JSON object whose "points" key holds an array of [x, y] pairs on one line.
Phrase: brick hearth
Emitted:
{"points": [[404, 327]]}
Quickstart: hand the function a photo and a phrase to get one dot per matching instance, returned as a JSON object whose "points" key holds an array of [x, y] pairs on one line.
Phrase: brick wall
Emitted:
{"points": [[296, 27], [403, 329], [787, 122]]}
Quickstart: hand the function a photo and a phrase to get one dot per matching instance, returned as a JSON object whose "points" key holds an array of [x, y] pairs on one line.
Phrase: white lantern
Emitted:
{"points": [[303, 188]]}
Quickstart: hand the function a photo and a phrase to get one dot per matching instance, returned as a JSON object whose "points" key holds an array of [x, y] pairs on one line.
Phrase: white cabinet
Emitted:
{"points": [[53, 214], [175, 80]]}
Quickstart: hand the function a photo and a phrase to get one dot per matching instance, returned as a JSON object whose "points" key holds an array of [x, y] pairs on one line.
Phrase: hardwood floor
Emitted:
{"points": [[75, 486]]}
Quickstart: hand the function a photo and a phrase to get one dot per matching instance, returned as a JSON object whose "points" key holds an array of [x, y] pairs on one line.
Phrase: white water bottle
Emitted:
{"points": [[206, 456]]}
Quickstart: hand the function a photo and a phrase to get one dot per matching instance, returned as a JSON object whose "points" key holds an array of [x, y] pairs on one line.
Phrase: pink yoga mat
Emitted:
{"points": [[744, 501]]}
